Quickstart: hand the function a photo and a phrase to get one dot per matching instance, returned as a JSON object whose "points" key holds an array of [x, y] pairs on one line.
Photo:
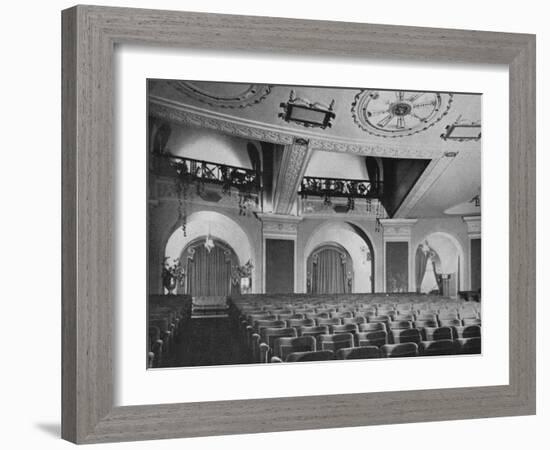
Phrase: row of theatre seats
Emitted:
{"points": [[276, 329], [164, 325]]}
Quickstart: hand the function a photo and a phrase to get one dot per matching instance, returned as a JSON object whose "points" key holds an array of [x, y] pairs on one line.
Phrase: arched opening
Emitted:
{"points": [[439, 265], [330, 270], [220, 228], [210, 268], [355, 242]]}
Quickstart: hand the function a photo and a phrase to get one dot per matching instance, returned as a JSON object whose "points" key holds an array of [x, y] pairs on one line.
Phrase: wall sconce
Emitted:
{"points": [[305, 113]]}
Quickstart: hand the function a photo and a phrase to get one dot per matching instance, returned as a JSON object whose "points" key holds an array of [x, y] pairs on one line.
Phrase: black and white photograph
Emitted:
{"points": [[309, 223]]}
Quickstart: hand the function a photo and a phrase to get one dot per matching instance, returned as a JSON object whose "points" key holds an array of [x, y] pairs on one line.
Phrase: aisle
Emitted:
{"points": [[207, 342]]}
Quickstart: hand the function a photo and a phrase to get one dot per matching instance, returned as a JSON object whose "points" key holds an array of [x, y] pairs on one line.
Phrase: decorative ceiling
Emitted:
{"points": [[366, 122], [395, 114], [226, 95]]}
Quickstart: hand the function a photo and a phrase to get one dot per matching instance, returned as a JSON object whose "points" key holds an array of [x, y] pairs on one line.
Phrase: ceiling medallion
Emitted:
{"points": [[399, 113], [233, 95]]}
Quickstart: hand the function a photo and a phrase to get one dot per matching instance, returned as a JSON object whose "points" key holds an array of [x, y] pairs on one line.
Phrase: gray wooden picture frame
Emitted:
{"points": [[90, 34]]}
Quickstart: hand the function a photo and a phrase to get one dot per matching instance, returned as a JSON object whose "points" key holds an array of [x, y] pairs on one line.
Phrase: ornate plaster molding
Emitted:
{"points": [[474, 226], [202, 118], [316, 208], [397, 229], [291, 172], [251, 94], [279, 224]]}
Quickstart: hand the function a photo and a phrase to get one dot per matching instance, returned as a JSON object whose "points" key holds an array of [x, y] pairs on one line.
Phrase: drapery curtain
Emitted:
{"points": [[209, 273], [421, 260], [437, 275], [329, 272]]}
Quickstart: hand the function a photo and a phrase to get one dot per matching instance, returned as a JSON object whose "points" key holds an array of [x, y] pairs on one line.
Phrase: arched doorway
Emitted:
{"points": [[355, 242], [210, 268], [329, 270]]}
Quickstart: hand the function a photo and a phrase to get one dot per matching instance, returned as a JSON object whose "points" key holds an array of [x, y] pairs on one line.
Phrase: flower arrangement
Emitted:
{"points": [[172, 274]]}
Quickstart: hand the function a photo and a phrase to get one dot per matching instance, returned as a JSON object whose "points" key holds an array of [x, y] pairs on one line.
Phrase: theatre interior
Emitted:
{"points": [[311, 224]]}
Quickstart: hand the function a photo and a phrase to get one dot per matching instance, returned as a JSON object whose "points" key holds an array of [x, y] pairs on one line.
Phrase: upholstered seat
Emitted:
{"points": [[439, 348], [406, 335], [470, 345], [371, 338], [437, 333], [358, 352], [399, 350], [286, 345], [334, 342], [320, 355]]}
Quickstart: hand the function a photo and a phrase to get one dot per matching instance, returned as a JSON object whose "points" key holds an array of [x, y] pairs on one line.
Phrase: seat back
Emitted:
{"points": [[297, 323], [335, 342], [406, 335], [261, 324], [437, 333], [319, 355], [380, 318], [346, 328], [471, 321], [318, 315], [439, 348], [371, 338], [288, 316], [358, 352], [409, 317], [400, 325], [468, 331], [450, 322], [399, 350], [342, 314], [331, 321], [470, 346], [315, 331], [468, 314], [269, 335], [356, 320], [447, 315], [426, 316], [425, 323], [372, 326], [287, 345]]}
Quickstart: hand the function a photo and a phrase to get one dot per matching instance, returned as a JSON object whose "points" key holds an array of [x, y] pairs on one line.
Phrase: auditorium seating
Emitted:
{"points": [[367, 352], [438, 348], [164, 323], [287, 345], [321, 355], [402, 350], [397, 325]]}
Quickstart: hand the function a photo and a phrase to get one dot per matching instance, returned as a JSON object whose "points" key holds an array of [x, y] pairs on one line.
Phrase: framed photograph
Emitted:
{"points": [[265, 229]]}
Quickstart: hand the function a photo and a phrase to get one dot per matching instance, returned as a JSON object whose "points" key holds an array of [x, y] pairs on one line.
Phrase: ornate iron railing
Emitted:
{"points": [[339, 187], [188, 169]]}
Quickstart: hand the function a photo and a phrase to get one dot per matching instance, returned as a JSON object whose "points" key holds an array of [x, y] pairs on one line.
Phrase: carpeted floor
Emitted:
{"points": [[207, 342]]}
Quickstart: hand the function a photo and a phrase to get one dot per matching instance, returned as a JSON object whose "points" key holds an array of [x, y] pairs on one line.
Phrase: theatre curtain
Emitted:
{"points": [[426, 255], [421, 260], [329, 271], [209, 272]]}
